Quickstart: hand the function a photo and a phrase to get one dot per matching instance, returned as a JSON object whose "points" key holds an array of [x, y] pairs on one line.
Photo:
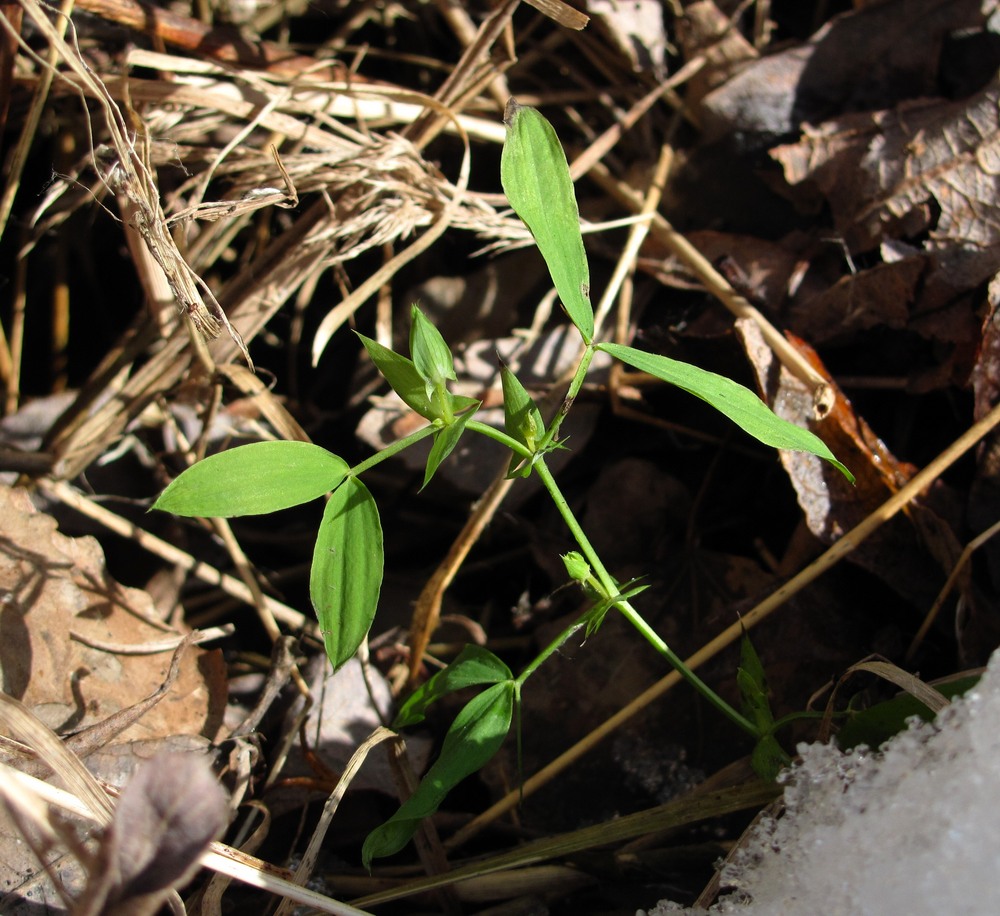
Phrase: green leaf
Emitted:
{"points": [[346, 573], [876, 725], [535, 176], [740, 404], [445, 440], [401, 375], [522, 418], [252, 480], [474, 737], [472, 666], [430, 354], [752, 684], [768, 758]]}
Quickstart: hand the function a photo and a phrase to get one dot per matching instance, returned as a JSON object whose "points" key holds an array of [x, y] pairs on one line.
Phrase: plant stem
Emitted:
{"points": [[550, 648], [394, 449], [497, 435], [574, 389], [610, 588]]}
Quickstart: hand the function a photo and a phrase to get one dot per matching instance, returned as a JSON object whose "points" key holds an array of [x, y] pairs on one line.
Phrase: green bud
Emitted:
{"points": [[577, 567]]}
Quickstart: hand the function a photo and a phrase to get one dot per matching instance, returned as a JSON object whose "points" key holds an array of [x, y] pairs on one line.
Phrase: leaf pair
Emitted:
{"points": [[422, 383], [474, 737], [262, 477]]}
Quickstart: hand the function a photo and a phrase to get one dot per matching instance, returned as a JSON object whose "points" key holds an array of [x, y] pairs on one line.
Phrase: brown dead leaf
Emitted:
{"points": [[870, 58], [884, 295], [909, 552], [766, 267], [56, 594], [705, 30], [927, 173]]}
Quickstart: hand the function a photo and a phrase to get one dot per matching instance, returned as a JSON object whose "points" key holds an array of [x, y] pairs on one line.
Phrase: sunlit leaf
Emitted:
{"points": [[401, 375], [535, 176], [473, 666], [346, 573], [428, 350], [474, 737], [740, 404], [252, 480]]}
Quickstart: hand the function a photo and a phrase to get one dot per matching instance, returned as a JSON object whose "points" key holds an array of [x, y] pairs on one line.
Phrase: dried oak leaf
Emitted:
{"points": [[59, 608], [705, 30], [872, 57], [926, 173], [57, 605]]}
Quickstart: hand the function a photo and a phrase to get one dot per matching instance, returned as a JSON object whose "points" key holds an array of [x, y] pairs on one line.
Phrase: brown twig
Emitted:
{"points": [[224, 44]]}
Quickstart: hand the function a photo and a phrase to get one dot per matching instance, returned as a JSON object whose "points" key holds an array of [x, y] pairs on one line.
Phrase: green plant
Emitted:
{"points": [[347, 561]]}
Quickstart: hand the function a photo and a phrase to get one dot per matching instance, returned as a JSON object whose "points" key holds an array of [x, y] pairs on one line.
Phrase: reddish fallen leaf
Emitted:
{"points": [[909, 552]]}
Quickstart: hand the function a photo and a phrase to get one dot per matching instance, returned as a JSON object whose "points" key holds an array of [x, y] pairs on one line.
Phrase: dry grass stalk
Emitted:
{"points": [[127, 172]]}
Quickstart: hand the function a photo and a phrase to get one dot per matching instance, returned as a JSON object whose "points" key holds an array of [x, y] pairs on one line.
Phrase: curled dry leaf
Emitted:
{"points": [[911, 553], [926, 173], [167, 815]]}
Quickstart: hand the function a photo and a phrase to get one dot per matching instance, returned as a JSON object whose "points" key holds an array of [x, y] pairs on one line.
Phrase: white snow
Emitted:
{"points": [[913, 829]]}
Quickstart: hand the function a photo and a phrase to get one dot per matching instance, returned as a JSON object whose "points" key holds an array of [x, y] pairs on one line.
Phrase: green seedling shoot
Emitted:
{"points": [[346, 571]]}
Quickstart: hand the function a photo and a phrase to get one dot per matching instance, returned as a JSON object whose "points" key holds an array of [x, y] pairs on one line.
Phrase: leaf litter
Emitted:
{"points": [[838, 172]]}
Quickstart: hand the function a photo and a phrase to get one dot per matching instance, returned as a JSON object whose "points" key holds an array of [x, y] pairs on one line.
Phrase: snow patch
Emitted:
{"points": [[914, 828]]}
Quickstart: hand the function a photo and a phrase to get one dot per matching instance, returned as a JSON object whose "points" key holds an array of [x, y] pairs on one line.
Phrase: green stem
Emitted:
{"points": [[550, 648], [390, 450], [497, 435], [610, 588], [574, 389]]}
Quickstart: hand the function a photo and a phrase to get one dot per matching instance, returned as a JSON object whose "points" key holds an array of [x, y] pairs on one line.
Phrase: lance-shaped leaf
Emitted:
{"points": [[346, 573], [740, 404], [430, 353], [402, 376], [446, 439], [753, 687], [535, 176], [473, 666], [522, 420], [252, 480], [474, 737]]}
